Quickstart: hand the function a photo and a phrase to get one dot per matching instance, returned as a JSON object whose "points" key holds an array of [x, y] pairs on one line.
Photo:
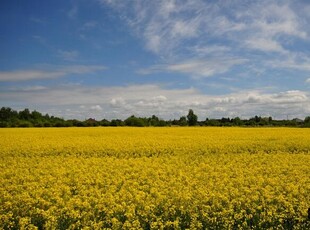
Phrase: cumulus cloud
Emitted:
{"points": [[200, 39], [96, 108], [146, 100], [159, 98], [117, 102]]}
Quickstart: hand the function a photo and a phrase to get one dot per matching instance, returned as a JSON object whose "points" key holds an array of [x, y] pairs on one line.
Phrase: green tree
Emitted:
{"points": [[117, 122], [7, 114], [192, 118], [35, 115], [24, 115], [153, 121], [237, 121], [105, 122], [182, 121], [134, 121], [307, 121]]}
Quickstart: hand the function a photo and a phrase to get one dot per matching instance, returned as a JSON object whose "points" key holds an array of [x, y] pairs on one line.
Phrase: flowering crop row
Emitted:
{"points": [[154, 178]]}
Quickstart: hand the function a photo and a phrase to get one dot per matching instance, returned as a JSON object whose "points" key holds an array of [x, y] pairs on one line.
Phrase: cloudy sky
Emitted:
{"points": [[114, 58]]}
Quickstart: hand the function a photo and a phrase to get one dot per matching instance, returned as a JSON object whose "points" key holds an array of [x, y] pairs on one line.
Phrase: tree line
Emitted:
{"points": [[27, 118]]}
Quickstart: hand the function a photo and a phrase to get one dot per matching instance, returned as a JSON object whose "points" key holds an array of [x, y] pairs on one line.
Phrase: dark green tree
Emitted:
{"points": [[237, 121], [307, 121], [7, 114], [117, 122], [24, 115], [134, 121], [104, 122], [182, 121], [153, 121], [192, 118]]}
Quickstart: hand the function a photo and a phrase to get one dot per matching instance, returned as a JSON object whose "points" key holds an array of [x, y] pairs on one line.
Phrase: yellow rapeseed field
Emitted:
{"points": [[154, 178]]}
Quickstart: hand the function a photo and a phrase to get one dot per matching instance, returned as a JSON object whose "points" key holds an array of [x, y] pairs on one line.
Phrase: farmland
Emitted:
{"points": [[154, 178]]}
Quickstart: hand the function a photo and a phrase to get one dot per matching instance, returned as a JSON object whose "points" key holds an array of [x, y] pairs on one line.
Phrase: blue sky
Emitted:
{"points": [[111, 59]]}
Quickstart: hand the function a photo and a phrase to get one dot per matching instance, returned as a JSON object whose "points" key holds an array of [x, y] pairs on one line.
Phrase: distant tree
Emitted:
{"points": [[47, 124], [134, 121], [225, 121], [24, 115], [76, 123], [117, 122], [91, 122], [237, 121], [153, 121], [257, 119], [161, 123], [26, 118], [24, 124], [59, 123], [182, 121], [7, 114], [175, 122], [4, 124], [104, 122], [212, 122], [192, 118], [36, 115]]}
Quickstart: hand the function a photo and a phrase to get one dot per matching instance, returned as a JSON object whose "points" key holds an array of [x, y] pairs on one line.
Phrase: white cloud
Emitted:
{"points": [[179, 31], [38, 20], [29, 88], [146, 100], [280, 19], [68, 55], [96, 108], [165, 24], [264, 44], [195, 38], [24, 75], [89, 25], [159, 98], [197, 68], [39, 39], [308, 81], [73, 12], [297, 61], [117, 102], [29, 75], [206, 50], [205, 68]]}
